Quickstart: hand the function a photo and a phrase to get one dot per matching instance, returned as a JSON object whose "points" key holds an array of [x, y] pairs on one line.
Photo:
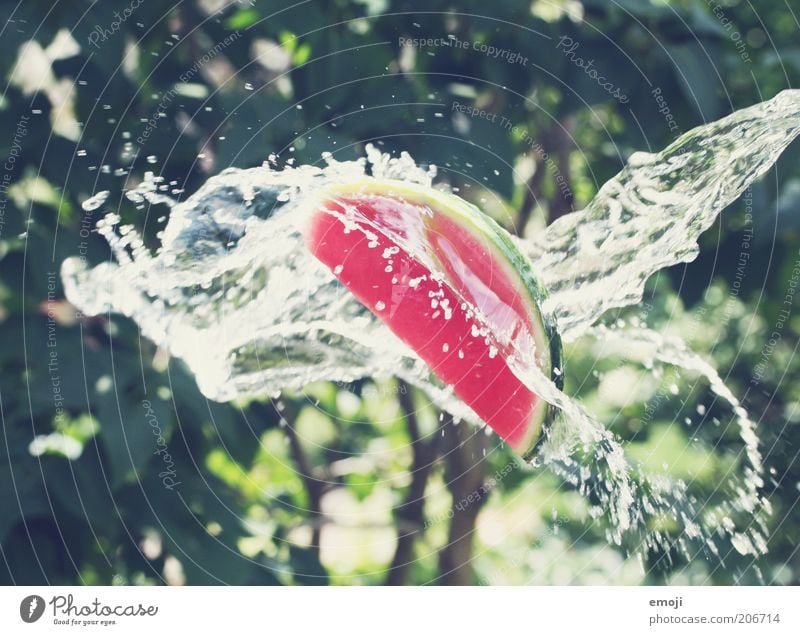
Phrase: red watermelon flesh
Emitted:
{"points": [[431, 267]]}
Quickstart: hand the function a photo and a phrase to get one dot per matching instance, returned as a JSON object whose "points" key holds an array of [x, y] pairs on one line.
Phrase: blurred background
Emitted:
{"points": [[364, 483]]}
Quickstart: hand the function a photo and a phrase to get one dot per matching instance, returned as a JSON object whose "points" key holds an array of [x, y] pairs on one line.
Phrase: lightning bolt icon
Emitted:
{"points": [[32, 607]]}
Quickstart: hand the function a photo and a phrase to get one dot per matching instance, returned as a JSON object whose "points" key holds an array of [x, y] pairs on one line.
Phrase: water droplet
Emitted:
{"points": [[91, 204]]}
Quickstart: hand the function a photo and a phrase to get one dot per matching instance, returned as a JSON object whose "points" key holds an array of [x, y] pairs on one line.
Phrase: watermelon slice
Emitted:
{"points": [[450, 283]]}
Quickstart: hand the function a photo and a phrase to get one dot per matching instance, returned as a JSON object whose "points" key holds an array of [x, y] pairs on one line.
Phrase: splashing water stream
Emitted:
{"points": [[234, 293]]}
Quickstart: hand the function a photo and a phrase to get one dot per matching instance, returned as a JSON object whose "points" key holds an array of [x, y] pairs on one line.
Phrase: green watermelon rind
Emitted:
{"points": [[517, 265]]}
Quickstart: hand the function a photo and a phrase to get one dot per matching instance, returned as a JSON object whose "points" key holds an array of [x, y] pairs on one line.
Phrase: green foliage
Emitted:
{"points": [[233, 496]]}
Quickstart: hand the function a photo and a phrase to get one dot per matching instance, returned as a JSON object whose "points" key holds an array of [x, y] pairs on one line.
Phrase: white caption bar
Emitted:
{"points": [[353, 611]]}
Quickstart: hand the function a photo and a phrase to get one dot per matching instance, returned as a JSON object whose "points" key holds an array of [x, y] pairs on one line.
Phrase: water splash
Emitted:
{"points": [[745, 499], [233, 292], [651, 214]]}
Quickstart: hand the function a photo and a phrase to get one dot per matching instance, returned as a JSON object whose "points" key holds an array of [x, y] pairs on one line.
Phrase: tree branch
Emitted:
{"points": [[533, 192], [464, 450], [411, 512], [311, 483], [557, 142], [560, 141]]}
